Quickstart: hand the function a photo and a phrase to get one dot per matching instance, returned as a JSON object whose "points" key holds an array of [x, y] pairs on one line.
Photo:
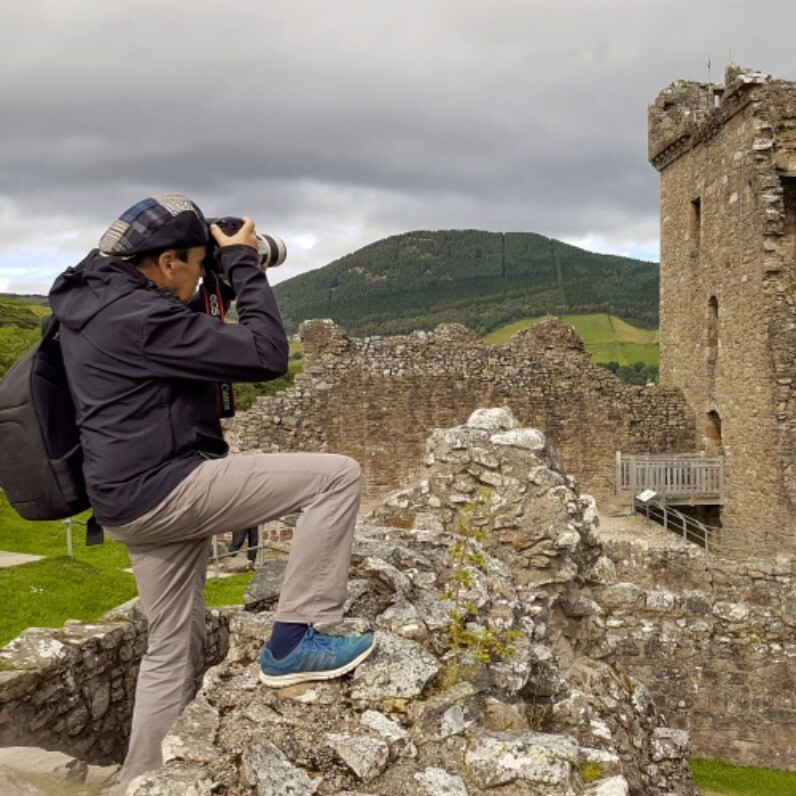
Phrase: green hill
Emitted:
{"points": [[481, 279]]}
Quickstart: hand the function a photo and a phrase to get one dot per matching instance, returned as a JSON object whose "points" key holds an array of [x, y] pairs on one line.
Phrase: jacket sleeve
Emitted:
{"points": [[179, 342]]}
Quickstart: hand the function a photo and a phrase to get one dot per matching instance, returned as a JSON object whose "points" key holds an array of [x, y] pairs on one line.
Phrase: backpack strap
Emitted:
{"points": [[50, 326]]}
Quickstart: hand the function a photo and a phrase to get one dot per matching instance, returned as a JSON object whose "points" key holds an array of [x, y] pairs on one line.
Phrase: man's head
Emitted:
{"points": [[165, 237], [176, 270]]}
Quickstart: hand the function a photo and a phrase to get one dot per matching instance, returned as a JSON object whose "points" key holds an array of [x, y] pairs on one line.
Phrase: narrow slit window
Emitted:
{"points": [[695, 227], [713, 336]]}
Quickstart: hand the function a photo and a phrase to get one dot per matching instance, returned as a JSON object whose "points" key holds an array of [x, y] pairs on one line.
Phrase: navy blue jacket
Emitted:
{"points": [[142, 367]]}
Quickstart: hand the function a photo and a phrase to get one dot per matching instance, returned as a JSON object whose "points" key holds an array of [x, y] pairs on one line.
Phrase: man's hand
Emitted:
{"points": [[245, 236]]}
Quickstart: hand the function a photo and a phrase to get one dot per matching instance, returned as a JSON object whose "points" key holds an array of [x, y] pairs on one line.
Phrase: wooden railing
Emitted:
{"points": [[679, 478]]}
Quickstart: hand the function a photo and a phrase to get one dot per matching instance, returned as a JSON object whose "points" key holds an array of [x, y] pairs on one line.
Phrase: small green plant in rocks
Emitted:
{"points": [[466, 558]]}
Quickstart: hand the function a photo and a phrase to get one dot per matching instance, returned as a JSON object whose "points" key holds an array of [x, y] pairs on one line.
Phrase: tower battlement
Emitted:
{"points": [[687, 111]]}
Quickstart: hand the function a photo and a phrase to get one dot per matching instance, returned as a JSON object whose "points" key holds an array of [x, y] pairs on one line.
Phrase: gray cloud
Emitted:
{"points": [[335, 124]]}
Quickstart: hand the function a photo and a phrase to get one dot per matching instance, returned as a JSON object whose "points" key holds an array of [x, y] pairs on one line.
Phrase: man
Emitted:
{"points": [[249, 536], [143, 367]]}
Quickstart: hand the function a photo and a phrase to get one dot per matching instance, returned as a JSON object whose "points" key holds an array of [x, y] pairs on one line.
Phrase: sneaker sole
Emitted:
{"points": [[280, 681]]}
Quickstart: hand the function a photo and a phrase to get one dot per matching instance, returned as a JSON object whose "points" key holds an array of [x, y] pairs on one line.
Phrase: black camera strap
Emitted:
{"points": [[213, 304]]}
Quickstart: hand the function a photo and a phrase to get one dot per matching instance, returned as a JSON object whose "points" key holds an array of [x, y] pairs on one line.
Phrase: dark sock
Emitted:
{"points": [[285, 637]]}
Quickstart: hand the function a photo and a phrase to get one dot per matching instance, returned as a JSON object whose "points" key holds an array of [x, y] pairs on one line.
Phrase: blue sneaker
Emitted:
{"points": [[317, 657]]}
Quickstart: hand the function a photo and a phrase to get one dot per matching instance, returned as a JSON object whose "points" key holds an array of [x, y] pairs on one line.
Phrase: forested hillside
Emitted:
{"points": [[481, 279]]}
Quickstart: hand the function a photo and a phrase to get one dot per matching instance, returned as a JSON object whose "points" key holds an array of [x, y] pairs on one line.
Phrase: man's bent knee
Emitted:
{"points": [[348, 469]]}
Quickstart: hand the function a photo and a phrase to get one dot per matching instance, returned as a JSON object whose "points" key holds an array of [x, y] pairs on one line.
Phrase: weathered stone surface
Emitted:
{"points": [[266, 768], [717, 647], [669, 744], [497, 418], [185, 779], [612, 786], [446, 713], [364, 755], [528, 574], [263, 589], [438, 782], [192, 736], [530, 438], [547, 763], [399, 669], [399, 740]]}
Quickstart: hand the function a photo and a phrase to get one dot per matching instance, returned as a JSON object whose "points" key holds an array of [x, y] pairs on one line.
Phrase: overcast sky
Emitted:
{"points": [[335, 123]]}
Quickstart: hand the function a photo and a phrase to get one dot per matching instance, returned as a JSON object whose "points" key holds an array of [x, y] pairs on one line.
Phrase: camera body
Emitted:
{"points": [[271, 250]]}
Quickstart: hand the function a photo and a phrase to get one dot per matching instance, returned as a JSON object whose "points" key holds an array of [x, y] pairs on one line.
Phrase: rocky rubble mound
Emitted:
{"points": [[476, 581]]}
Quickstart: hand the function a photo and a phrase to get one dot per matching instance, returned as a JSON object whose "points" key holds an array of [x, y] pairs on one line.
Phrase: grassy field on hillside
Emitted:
{"points": [[607, 338]]}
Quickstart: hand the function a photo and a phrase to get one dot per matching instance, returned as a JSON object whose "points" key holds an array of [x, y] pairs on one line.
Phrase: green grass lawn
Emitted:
{"points": [[84, 587], [607, 338], [48, 592], [719, 777]]}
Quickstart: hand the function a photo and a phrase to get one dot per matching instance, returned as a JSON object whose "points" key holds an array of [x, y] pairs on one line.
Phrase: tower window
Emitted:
{"points": [[713, 337], [695, 225]]}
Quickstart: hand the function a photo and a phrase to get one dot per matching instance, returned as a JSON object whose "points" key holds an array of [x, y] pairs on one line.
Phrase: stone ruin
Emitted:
{"points": [[712, 640], [71, 689], [377, 399], [518, 706]]}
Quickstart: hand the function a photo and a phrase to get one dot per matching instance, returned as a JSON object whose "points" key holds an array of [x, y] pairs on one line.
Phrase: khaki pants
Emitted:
{"points": [[169, 551]]}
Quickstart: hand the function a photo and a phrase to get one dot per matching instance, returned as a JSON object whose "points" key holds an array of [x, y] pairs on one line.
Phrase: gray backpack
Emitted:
{"points": [[40, 455]]}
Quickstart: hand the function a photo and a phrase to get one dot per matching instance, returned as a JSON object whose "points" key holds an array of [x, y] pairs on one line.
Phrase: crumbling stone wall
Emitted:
{"points": [[517, 707], [72, 689], [727, 158], [377, 399], [715, 642]]}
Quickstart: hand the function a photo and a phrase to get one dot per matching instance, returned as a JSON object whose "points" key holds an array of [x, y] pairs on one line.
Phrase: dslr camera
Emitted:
{"points": [[271, 250]]}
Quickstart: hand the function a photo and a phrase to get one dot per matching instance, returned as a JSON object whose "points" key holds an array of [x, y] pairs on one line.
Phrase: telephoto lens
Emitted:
{"points": [[272, 250]]}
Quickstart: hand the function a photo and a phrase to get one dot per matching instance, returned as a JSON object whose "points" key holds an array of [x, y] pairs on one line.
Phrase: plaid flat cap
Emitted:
{"points": [[163, 221]]}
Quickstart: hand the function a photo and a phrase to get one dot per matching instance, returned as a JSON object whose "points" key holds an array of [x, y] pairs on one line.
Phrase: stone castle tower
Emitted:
{"points": [[727, 159]]}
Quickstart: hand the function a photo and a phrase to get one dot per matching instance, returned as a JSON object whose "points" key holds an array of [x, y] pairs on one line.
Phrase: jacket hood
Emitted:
{"points": [[82, 291]]}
